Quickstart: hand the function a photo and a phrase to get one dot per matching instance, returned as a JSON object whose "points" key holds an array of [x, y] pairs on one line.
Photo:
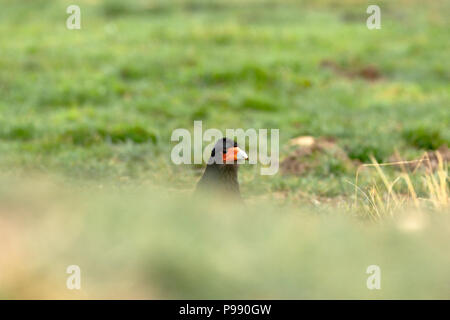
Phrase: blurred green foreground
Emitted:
{"points": [[143, 244]]}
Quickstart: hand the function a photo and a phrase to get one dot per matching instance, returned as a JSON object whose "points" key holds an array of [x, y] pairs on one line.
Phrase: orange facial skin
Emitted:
{"points": [[231, 155]]}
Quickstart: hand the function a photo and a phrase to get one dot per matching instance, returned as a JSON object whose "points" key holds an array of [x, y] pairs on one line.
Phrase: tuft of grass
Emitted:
{"points": [[424, 138], [19, 133], [259, 104], [85, 136], [253, 73], [115, 8], [363, 148], [383, 199]]}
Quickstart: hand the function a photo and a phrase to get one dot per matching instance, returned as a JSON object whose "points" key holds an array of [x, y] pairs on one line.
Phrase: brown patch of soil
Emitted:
{"points": [[429, 160], [300, 159], [369, 72]]}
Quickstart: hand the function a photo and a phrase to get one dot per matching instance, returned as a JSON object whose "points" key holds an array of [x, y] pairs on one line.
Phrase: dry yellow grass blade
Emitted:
{"points": [[438, 187], [411, 190], [419, 161], [387, 203], [442, 184], [385, 180]]}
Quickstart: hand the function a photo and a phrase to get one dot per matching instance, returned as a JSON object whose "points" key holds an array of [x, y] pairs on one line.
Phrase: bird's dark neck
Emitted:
{"points": [[220, 177]]}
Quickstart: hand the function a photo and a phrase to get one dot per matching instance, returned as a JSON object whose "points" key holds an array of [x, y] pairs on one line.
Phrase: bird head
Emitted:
{"points": [[227, 152]]}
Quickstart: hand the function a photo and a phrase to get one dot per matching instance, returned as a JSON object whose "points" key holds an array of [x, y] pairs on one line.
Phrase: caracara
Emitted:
{"points": [[221, 171]]}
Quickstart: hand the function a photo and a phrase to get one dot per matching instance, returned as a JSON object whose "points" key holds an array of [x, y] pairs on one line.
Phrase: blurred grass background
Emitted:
{"points": [[103, 101], [97, 107]]}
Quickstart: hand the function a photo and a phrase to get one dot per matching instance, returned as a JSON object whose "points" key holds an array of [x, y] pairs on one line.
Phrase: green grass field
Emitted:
{"points": [[97, 107]]}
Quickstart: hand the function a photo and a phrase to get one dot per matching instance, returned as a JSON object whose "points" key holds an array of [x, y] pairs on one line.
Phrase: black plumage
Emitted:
{"points": [[221, 173]]}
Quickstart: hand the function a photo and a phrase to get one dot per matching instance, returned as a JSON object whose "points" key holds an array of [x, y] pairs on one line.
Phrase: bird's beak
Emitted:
{"points": [[234, 154], [240, 154]]}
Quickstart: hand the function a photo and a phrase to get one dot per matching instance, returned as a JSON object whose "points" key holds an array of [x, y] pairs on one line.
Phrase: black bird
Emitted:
{"points": [[221, 171]]}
